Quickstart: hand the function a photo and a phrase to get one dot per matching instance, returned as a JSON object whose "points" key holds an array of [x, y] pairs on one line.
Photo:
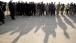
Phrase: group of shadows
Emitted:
{"points": [[47, 27]]}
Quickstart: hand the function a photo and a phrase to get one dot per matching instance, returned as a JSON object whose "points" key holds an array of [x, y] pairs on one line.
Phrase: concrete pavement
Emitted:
{"points": [[37, 29]]}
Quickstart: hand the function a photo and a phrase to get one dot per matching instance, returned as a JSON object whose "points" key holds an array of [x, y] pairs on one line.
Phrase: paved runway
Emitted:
{"points": [[37, 29]]}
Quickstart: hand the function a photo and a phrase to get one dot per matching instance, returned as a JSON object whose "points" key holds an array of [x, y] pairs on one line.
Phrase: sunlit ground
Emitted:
{"points": [[38, 29]]}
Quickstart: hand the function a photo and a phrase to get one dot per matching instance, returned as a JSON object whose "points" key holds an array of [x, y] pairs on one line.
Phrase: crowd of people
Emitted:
{"points": [[33, 9]]}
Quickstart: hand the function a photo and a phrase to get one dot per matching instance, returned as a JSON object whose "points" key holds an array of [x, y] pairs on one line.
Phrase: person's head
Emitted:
{"points": [[38, 2], [47, 3], [42, 2], [11, 1], [54, 2], [18, 1], [58, 2], [74, 3], [26, 2], [71, 2], [22, 2], [33, 3], [67, 3], [0, 3], [63, 4], [51, 2]]}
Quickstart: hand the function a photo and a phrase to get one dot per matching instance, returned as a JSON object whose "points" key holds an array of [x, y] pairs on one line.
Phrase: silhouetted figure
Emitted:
{"points": [[22, 8], [42, 7], [29, 9], [1, 15], [4, 9], [11, 9], [49, 29], [62, 8], [74, 9], [33, 8], [63, 26], [38, 9], [58, 8], [67, 8], [52, 9], [18, 8], [71, 8], [47, 9], [25, 8]]}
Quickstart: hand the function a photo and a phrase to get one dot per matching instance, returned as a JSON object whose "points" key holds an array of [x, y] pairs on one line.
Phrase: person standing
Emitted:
{"points": [[74, 9], [52, 9], [55, 7], [47, 8], [11, 9], [62, 8], [38, 8], [42, 7], [29, 9], [18, 7], [33, 8], [25, 8], [71, 10], [1, 15], [58, 8], [22, 8], [4, 9], [67, 8]]}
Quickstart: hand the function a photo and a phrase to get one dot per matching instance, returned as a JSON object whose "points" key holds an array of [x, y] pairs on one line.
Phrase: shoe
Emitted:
{"points": [[0, 24], [14, 19], [3, 22]]}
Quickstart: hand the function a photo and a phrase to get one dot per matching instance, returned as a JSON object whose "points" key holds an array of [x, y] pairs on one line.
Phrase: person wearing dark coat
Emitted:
{"points": [[42, 7], [18, 8], [4, 8], [25, 8], [29, 9], [11, 9], [33, 8], [22, 8], [71, 8], [74, 8], [52, 9], [1, 16]]}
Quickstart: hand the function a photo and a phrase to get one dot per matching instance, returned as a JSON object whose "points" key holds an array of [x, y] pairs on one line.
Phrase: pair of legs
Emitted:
{"points": [[52, 12], [12, 15]]}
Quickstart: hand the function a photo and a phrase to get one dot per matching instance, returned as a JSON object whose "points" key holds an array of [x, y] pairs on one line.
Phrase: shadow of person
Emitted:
{"points": [[21, 25], [11, 25], [62, 26], [39, 24], [68, 22], [49, 28], [24, 29], [72, 18]]}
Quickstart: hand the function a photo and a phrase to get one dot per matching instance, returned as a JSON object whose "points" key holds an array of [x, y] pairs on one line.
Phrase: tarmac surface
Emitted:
{"points": [[39, 29]]}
